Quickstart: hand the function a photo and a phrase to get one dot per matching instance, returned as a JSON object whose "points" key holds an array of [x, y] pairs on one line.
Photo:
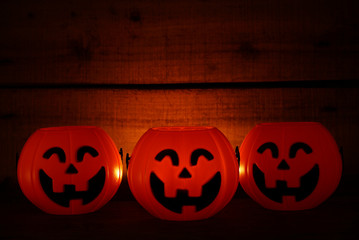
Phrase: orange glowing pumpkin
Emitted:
{"points": [[183, 173], [69, 170], [289, 165]]}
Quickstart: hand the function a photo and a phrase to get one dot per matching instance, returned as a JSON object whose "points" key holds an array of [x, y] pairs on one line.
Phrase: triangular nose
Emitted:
{"points": [[185, 174], [283, 165], [71, 169]]}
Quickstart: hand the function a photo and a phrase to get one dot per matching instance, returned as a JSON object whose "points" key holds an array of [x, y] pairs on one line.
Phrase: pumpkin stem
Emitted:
{"points": [[121, 153], [237, 154], [127, 159]]}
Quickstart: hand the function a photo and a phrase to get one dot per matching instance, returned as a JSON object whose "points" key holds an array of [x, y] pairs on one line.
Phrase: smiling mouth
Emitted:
{"points": [[210, 191], [308, 182], [95, 186]]}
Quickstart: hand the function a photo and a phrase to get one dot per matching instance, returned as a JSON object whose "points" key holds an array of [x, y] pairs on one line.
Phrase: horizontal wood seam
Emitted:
{"points": [[210, 85]]}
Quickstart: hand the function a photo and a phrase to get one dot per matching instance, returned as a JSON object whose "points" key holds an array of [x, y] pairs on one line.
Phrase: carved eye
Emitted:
{"points": [[55, 150], [168, 152], [299, 145], [86, 149], [271, 146], [200, 152]]}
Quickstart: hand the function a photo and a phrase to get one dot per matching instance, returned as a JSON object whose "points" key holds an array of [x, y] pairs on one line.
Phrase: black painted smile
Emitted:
{"points": [[210, 191], [308, 182], [95, 186]]}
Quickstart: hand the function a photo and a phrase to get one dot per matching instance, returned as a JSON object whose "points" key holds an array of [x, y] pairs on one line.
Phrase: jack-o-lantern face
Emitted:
{"points": [[289, 166], [308, 179], [69, 170], [209, 189], [183, 173], [93, 184]]}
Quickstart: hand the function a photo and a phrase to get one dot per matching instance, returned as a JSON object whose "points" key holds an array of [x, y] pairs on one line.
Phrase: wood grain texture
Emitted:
{"points": [[125, 114], [181, 41]]}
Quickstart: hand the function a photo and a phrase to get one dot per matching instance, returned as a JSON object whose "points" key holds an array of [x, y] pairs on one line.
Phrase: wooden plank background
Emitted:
{"points": [[126, 114], [127, 66], [138, 42]]}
